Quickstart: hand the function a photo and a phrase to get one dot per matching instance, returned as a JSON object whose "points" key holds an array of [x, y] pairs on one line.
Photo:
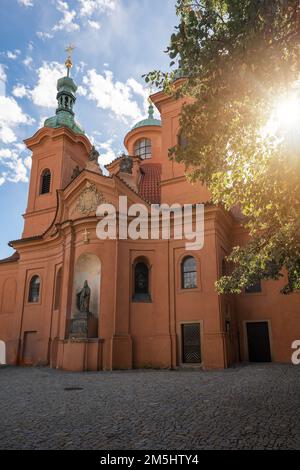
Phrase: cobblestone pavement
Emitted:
{"points": [[246, 407]]}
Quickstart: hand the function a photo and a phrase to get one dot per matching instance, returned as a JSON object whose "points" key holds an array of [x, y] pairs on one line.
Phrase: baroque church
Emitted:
{"points": [[72, 301]]}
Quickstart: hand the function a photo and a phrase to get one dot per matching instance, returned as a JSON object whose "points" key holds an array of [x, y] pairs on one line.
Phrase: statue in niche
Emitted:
{"points": [[126, 164], [83, 299], [84, 324], [93, 155]]}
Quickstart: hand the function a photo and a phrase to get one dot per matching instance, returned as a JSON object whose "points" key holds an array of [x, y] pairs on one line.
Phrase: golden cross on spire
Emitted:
{"points": [[68, 62]]}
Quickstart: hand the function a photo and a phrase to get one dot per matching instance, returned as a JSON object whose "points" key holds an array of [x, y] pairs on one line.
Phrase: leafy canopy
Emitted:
{"points": [[241, 59]]}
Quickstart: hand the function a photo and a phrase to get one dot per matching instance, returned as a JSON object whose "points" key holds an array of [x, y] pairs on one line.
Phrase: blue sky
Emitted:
{"points": [[116, 42]]}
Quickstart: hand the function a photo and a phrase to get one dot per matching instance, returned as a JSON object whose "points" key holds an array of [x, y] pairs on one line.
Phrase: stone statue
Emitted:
{"points": [[83, 299], [79, 323], [75, 173], [126, 164], [93, 155]]}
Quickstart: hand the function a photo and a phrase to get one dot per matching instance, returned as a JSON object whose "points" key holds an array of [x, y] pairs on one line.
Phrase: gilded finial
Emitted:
{"points": [[68, 62]]}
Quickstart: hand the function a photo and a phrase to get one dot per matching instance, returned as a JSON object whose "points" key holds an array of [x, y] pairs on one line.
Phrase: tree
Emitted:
{"points": [[241, 60]]}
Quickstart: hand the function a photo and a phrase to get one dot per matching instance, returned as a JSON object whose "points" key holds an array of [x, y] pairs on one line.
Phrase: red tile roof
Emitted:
{"points": [[149, 186], [14, 257]]}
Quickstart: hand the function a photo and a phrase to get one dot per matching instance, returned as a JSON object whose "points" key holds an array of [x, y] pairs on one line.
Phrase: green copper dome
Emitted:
{"points": [[66, 97], [150, 121]]}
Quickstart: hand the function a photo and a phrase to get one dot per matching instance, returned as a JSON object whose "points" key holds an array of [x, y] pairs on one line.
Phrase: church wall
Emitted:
{"points": [[58, 151], [8, 299], [181, 192], [39, 322], [280, 311], [175, 187], [149, 322], [41, 207], [202, 304], [170, 130]]}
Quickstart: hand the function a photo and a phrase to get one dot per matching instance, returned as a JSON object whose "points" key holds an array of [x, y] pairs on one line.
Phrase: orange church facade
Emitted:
{"points": [[152, 303]]}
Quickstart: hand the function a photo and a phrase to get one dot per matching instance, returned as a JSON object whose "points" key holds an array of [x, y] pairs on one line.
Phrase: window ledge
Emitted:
{"points": [[146, 298]]}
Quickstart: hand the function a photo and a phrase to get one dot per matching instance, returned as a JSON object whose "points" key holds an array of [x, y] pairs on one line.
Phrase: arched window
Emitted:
{"points": [[142, 148], [34, 289], [45, 182], [189, 273], [58, 289], [141, 282]]}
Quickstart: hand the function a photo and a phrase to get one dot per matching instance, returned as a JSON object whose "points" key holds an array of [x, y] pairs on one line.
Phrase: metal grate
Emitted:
{"points": [[46, 182], [71, 389], [191, 347]]}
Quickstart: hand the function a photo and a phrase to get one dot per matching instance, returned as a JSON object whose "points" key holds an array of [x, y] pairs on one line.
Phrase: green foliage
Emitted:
{"points": [[238, 57]]}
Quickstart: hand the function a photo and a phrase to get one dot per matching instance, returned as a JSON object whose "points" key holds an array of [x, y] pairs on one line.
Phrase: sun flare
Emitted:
{"points": [[285, 117], [287, 112]]}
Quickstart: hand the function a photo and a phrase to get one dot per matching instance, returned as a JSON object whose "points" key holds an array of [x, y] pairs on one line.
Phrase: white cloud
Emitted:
{"points": [[81, 91], [26, 3], [43, 35], [5, 153], [89, 7], [28, 61], [94, 24], [11, 55], [7, 135], [2, 73], [2, 180], [15, 167], [115, 96], [20, 146], [20, 91], [107, 153], [66, 23], [11, 115], [28, 162], [44, 93], [42, 120], [2, 79], [18, 171], [80, 66]]}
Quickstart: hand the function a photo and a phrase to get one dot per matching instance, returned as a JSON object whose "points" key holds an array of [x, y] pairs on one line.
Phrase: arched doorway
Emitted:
{"points": [[88, 268], [2, 353]]}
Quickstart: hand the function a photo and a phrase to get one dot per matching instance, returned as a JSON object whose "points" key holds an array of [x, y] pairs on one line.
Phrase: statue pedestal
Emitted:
{"points": [[93, 166], [80, 354], [84, 326], [79, 326]]}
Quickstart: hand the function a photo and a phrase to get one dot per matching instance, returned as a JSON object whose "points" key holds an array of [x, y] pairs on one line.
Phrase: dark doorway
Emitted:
{"points": [[258, 342], [29, 348], [191, 346]]}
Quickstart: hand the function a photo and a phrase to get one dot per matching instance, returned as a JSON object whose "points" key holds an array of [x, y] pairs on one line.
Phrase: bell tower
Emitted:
{"points": [[58, 148]]}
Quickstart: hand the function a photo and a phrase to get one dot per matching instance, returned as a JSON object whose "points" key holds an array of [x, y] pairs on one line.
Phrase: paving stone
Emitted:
{"points": [[245, 407]]}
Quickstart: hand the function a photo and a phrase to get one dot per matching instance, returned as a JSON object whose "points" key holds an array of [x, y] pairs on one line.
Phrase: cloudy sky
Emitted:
{"points": [[116, 42]]}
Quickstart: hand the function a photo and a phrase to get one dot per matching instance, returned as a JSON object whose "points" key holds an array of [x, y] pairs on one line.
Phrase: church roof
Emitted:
{"points": [[66, 97], [14, 257], [149, 121], [149, 187]]}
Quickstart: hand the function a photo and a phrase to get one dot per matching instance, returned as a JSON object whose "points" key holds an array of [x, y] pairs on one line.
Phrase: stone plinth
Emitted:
{"points": [[79, 326]]}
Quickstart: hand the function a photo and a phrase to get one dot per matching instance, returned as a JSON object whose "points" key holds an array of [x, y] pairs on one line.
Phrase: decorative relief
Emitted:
{"points": [[89, 200]]}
